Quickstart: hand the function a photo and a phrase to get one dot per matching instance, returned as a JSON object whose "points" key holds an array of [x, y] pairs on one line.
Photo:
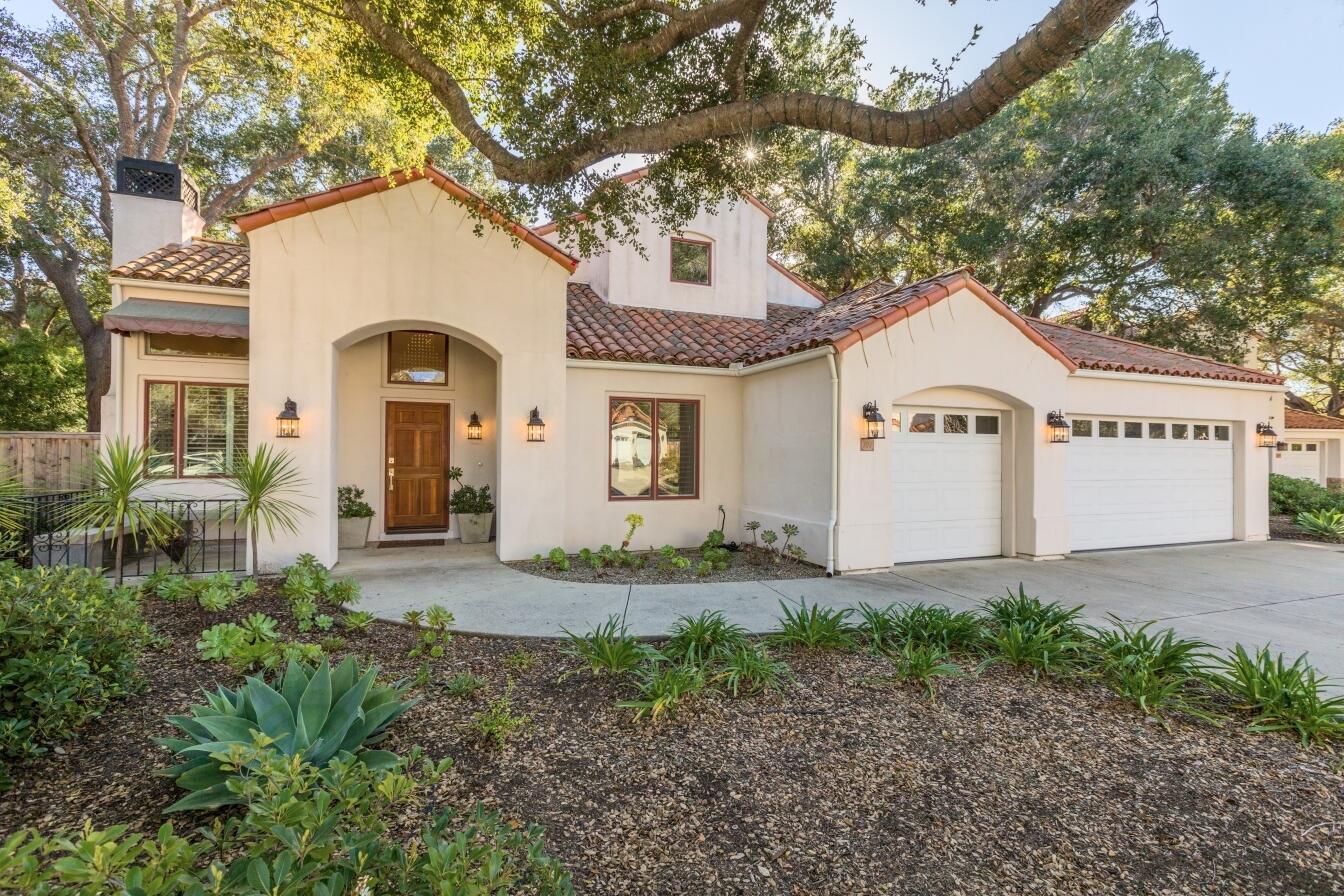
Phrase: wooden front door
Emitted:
{"points": [[416, 471]]}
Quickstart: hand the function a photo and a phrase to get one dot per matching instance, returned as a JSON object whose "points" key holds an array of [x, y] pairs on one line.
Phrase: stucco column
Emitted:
{"points": [[1250, 473], [1041, 505], [530, 507]]}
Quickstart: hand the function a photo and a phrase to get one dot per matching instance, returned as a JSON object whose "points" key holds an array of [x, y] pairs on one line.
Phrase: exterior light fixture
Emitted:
{"points": [[287, 421], [536, 429], [1265, 436], [1058, 427], [474, 427], [873, 422]]}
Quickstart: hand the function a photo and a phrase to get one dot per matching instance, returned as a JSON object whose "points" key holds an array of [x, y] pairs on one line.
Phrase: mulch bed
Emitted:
{"points": [[848, 783], [1282, 527], [747, 564]]}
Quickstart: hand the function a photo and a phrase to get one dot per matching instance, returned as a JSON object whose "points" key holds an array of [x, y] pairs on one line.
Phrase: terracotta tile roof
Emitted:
{"points": [[1096, 351], [199, 262], [1293, 419]]}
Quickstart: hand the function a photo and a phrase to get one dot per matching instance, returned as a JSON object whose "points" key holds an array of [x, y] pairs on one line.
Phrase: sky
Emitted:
{"points": [[1281, 58]]}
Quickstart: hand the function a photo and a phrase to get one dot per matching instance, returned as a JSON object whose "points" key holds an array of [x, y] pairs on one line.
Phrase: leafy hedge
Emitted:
{"points": [[1293, 496], [68, 647]]}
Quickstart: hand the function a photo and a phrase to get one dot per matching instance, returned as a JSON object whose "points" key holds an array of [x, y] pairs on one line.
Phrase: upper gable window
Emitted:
{"points": [[415, 356], [692, 261]]}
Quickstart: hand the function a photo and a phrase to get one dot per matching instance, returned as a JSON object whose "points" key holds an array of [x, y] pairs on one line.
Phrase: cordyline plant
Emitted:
{"points": [[118, 474], [265, 483], [11, 509]]}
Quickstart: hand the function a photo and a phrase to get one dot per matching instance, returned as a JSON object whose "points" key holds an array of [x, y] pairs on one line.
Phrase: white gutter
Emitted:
{"points": [[835, 464], [735, 369], [137, 283], [1175, 380]]}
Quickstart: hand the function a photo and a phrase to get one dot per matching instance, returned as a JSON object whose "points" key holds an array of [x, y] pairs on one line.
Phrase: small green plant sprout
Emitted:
{"points": [[768, 538], [700, 639], [609, 649], [343, 593], [714, 539], [815, 627], [463, 684], [747, 668], [434, 636], [1324, 523], [663, 687], [499, 720], [323, 622], [261, 627], [357, 621], [331, 644], [558, 559], [704, 568], [632, 521], [789, 530], [752, 527], [670, 558], [247, 588], [221, 642], [537, 558], [796, 552], [413, 618], [924, 663], [519, 661]]}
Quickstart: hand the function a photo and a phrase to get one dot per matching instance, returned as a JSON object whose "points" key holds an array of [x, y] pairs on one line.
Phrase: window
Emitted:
{"points": [[1201, 432], [1222, 433], [1108, 429], [986, 426], [1180, 430], [954, 423], [416, 356], [1311, 446], [1133, 430], [921, 422], [1297, 446], [194, 346], [654, 448], [691, 261], [1157, 430], [1082, 428], [194, 429]]}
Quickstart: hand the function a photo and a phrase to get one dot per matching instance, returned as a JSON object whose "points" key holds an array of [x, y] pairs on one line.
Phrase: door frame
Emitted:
{"points": [[387, 403]]}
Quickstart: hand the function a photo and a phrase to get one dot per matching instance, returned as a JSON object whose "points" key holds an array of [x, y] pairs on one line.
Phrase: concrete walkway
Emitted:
{"points": [[1288, 593]]}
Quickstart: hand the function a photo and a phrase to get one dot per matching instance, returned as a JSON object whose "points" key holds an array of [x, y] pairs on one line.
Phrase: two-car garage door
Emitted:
{"points": [[1148, 482]]}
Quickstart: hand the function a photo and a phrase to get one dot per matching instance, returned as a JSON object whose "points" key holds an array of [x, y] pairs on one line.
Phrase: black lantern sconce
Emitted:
{"points": [[536, 428], [1057, 427], [874, 424], [287, 421], [474, 427], [1265, 436]]}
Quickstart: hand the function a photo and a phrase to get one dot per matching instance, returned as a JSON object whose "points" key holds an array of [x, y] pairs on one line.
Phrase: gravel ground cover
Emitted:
{"points": [[745, 565], [847, 783]]}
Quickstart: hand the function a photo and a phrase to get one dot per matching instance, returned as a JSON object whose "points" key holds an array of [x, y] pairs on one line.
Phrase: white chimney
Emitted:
{"points": [[154, 204]]}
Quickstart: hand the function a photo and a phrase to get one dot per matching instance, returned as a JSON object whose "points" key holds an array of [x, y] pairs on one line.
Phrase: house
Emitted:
{"points": [[1312, 447], [698, 381]]}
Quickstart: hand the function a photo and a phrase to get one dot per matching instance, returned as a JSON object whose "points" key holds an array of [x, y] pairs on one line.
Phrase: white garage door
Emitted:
{"points": [[1300, 460], [1148, 482], [946, 486]]}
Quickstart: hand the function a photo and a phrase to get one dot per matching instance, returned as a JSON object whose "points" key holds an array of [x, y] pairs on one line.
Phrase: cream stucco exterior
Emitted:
{"points": [[780, 441], [1330, 463]]}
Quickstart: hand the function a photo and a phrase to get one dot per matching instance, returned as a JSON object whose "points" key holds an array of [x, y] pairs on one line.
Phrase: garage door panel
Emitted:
{"points": [[1134, 492]]}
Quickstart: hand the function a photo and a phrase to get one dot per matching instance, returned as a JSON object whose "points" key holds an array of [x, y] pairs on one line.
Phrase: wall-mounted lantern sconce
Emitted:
{"points": [[474, 427], [287, 421], [536, 429], [1058, 427], [873, 422], [1265, 436]]}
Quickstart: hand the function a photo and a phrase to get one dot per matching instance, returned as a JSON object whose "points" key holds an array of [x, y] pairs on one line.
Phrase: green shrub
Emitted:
{"points": [[698, 639], [1294, 496], [1158, 672], [303, 831], [747, 668], [609, 649], [350, 503], [317, 713], [498, 721], [434, 637], [1021, 609], [895, 625], [68, 648], [358, 620], [671, 559], [463, 684], [558, 559], [1327, 524], [663, 687], [816, 628], [1283, 697], [924, 663]]}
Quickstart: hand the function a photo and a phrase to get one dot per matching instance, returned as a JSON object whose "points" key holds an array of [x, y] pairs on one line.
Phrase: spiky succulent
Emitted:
{"points": [[317, 713]]}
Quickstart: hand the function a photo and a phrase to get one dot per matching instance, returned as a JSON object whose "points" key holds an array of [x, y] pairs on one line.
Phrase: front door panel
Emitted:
{"points": [[416, 466]]}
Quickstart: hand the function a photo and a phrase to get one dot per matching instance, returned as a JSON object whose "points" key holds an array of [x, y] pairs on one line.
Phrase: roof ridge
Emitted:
{"points": [[1150, 346]]}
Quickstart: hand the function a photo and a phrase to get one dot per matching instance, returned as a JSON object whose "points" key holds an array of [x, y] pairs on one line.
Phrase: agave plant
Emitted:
{"points": [[315, 713], [1324, 523]]}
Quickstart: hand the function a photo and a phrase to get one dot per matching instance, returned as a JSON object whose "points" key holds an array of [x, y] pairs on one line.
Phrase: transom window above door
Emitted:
{"points": [[417, 357], [692, 261]]}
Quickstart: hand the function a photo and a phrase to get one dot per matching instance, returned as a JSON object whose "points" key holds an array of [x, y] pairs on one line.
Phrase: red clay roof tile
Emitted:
{"points": [[1293, 419], [199, 263]]}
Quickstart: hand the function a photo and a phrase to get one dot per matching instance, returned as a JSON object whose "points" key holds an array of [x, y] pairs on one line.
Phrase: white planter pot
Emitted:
{"points": [[474, 528], [352, 533]]}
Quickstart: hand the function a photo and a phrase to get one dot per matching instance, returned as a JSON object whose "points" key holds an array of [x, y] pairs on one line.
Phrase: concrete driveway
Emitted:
{"points": [[1290, 594]]}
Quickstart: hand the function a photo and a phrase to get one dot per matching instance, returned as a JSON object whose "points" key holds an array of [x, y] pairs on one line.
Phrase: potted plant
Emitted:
{"points": [[353, 515], [475, 511]]}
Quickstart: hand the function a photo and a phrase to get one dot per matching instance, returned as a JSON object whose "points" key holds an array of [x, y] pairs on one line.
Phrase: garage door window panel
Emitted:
{"points": [[1109, 429], [1133, 429], [986, 425], [954, 424], [1082, 429], [1180, 430], [922, 422]]}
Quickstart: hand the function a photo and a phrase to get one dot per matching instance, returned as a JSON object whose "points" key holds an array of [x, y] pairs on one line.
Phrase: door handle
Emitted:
{"points": [[391, 475]]}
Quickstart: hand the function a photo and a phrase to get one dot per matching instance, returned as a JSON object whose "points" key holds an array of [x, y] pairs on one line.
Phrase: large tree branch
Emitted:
{"points": [[1065, 32], [231, 194]]}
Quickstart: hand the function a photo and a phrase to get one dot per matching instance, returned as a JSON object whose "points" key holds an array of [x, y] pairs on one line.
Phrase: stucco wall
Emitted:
{"points": [[591, 518], [362, 426], [407, 258], [781, 290], [141, 224], [1332, 457], [786, 450]]}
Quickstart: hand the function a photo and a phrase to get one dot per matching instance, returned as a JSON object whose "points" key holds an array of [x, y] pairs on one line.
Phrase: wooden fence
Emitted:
{"points": [[48, 461]]}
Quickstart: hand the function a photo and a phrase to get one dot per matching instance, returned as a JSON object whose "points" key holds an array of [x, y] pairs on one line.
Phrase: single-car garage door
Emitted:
{"points": [[946, 483], [1148, 482], [1300, 460]]}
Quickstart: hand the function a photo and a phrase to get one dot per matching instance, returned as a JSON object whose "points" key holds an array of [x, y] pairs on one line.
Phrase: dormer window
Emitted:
{"points": [[692, 261]]}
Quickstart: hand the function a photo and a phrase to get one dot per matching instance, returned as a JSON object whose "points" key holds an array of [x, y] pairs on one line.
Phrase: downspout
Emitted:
{"points": [[835, 465]]}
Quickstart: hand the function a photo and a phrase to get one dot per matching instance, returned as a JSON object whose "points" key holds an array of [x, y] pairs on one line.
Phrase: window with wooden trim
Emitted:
{"points": [[181, 345], [194, 429], [692, 261], [654, 448], [417, 357]]}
